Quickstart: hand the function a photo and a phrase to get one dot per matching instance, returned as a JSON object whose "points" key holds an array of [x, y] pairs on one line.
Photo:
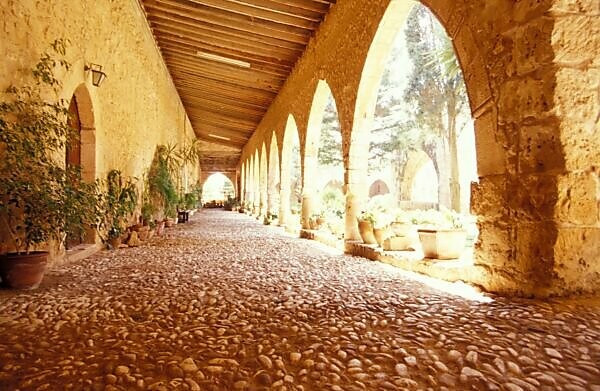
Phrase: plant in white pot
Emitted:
{"points": [[42, 200], [441, 233], [366, 220]]}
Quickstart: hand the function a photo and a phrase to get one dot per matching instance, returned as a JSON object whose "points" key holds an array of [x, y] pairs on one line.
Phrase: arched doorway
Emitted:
{"points": [[217, 189], [80, 156]]}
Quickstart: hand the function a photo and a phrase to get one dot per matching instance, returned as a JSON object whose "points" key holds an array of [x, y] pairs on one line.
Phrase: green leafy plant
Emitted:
{"points": [[189, 201], [119, 201], [41, 199], [161, 186]]}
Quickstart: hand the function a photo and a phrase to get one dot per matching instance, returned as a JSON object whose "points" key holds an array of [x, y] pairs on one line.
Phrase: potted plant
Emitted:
{"points": [[442, 234], [41, 200], [366, 220], [118, 203], [161, 186], [381, 223], [403, 233]]}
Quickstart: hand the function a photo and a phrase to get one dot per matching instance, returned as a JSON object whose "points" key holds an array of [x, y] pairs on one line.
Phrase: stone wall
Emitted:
{"points": [[532, 75], [137, 106]]}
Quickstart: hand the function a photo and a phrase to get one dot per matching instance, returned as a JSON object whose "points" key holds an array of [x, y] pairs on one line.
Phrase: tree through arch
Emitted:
{"points": [[274, 177], [290, 175], [323, 160]]}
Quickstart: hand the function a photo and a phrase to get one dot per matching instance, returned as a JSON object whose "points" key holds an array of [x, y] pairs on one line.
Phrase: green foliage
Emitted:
{"points": [[330, 145], [160, 182], [438, 219], [40, 198], [423, 112], [118, 202], [190, 200]]}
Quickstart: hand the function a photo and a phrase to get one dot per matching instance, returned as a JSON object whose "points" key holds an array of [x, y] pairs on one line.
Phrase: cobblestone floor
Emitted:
{"points": [[223, 303]]}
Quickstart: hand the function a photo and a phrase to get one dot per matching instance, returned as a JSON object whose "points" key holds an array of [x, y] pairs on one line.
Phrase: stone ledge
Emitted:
{"points": [[322, 237], [79, 252], [448, 270]]}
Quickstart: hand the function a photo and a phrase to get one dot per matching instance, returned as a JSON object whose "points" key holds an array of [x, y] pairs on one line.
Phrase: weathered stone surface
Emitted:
{"points": [[177, 313]]}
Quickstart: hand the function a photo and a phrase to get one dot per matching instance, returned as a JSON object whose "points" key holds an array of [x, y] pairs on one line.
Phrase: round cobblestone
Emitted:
{"points": [[224, 303]]}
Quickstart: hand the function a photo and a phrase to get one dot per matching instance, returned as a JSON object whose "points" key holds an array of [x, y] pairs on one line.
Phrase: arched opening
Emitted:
{"points": [[323, 162], [291, 186], [256, 184], [216, 190], [274, 179], [242, 194], [378, 187], [80, 156], [412, 99], [263, 180]]}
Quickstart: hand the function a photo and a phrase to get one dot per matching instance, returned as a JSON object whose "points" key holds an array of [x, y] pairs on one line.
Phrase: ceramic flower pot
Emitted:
{"points": [[443, 243], [365, 228], [23, 271]]}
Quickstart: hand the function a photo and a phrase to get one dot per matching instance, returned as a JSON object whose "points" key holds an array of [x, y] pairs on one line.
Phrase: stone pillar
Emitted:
{"points": [[308, 207], [355, 187], [284, 204]]}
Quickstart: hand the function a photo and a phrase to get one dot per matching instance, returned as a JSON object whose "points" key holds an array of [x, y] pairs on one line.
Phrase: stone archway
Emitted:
{"points": [[378, 187], [263, 185], [274, 174], [82, 153], [256, 183], [289, 136]]}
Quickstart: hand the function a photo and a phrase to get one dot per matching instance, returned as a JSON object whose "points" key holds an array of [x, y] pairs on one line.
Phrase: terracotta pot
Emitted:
{"points": [[365, 228], [115, 242], [381, 234], [403, 229], [443, 244], [143, 232], [160, 228], [24, 271]]}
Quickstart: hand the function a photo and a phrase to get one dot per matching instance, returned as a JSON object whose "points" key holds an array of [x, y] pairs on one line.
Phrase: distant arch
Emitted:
{"points": [[378, 187]]}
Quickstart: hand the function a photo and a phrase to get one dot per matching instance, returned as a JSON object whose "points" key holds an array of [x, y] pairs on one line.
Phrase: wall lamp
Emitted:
{"points": [[98, 75]]}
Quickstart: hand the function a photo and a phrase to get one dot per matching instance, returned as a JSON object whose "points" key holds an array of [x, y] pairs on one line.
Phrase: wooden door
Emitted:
{"points": [[73, 156]]}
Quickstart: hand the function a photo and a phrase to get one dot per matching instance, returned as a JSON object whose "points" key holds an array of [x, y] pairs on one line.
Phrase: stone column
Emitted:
{"points": [[308, 207]]}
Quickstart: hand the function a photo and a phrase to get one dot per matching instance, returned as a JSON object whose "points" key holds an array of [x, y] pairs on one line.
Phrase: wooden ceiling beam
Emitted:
{"points": [[217, 130], [222, 40], [255, 14], [315, 6], [188, 94], [195, 46], [175, 7], [255, 117], [188, 73], [215, 67], [190, 52], [269, 83], [222, 116], [228, 143], [196, 95], [208, 85], [314, 12], [214, 29]]}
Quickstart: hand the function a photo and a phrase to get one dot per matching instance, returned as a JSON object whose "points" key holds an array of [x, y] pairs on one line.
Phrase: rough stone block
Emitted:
{"points": [[495, 244], [529, 98], [576, 254], [579, 198], [533, 197], [535, 256], [532, 47], [491, 159], [540, 149], [489, 198], [574, 39]]}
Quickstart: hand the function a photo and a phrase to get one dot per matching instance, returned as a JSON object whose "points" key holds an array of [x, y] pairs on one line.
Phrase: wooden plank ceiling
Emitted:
{"points": [[229, 59]]}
